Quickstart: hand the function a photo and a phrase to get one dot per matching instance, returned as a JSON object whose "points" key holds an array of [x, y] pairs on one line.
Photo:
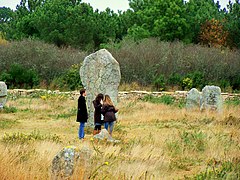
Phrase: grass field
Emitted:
{"points": [[157, 141]]}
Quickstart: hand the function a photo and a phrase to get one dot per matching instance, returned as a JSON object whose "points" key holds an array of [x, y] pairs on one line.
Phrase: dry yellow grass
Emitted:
{"points": [[157, 141]]}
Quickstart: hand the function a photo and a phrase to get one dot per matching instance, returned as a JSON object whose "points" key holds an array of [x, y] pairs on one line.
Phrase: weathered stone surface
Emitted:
{"points": [[3, 94], [100, 73], [193, 99], [211, 98], [64, 162], [105, 135]]}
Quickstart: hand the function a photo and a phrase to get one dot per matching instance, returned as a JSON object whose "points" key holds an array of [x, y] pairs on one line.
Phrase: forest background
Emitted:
{"points": [[161, 44]]}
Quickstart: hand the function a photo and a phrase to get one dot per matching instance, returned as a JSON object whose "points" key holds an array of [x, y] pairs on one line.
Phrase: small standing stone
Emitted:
{"points": [[211, 98], [193, 99], [3, 94], [105, 135], [63, 162]]}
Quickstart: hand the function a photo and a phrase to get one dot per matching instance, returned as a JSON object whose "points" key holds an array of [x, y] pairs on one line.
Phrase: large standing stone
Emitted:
{"points": [[3, 94], [193, 99], [211, 98], [100, 73]]}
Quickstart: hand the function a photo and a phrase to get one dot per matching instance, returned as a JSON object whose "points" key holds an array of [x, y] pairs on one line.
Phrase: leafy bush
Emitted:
{"points": [[69, 80], [187, 83], [197, 79], [174, 79], [9, 109], [159, 83], [20, 77]]}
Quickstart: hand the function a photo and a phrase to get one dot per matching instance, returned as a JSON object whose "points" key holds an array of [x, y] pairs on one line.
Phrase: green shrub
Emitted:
{"points": [[69, 80], [159, 83], [165, 99], [197, 79], [47, 60], [174, 79], [9, 109], [20, 77], [187, 83]]}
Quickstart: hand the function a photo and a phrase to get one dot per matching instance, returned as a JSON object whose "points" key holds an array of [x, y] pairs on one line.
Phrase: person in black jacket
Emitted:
{"points": [[97, 103], [82, 114], [108, 111]]}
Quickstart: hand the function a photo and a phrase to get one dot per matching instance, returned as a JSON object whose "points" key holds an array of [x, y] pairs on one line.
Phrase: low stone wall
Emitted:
{"points": [[121, 94]]}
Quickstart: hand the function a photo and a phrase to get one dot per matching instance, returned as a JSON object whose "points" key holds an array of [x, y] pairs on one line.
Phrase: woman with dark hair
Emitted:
{"points": [[97, 103], [108, 111]]}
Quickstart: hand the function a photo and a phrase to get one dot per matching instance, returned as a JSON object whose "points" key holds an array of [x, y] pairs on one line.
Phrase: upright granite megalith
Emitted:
{"points": [[100, 73], [211, 98], [193, 99], [3, 94]]}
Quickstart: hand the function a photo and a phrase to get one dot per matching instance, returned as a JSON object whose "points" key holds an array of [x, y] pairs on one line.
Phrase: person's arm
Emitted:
{"points": [[96, 105], [115, 110], [104, 109]]}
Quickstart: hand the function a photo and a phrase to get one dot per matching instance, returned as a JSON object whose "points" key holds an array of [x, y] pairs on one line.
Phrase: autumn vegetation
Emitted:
{"points": [[158, 140], [161, 45]]}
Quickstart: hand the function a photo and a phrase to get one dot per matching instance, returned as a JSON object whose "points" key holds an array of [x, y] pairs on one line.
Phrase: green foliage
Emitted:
{"points": [[193, 140], [164, 19], [174, 79], [232, 24], [70, 80], [198, 80], [197, 12], [234, 101], [220, 170], [48, 61], [159, 82], [9, 109], [187, 83], [4, 124], [19, 76], [22, 138], [164, 99], [72, 112], [188, 141], [138, 33]]}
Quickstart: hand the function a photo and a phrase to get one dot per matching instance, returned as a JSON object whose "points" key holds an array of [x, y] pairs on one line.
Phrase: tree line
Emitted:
{"points": [[72, 23]]}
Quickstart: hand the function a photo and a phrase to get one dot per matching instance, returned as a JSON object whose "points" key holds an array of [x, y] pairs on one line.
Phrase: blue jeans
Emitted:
{"points": [[81, 130], [110, 126]]}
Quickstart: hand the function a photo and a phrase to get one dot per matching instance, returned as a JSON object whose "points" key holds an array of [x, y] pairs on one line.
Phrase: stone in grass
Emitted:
{"points": [[105, 135], [64, 162]]}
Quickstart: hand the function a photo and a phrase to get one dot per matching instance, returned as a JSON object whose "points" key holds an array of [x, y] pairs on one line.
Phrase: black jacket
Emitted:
{"points": [[97, 113], [108, 112], [82, 114]]}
